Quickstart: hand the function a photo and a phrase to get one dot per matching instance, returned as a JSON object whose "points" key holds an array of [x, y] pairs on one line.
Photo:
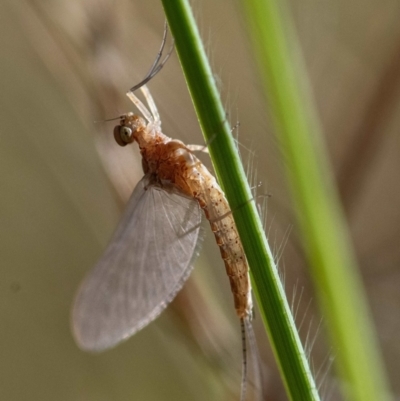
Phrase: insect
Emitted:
{"points": [[151, 253]]}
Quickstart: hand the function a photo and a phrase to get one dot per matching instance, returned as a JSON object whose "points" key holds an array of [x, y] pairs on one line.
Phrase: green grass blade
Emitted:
{"points": [[320, 217], [270, 294]]}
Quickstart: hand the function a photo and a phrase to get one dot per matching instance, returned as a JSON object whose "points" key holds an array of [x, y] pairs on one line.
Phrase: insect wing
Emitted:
{"points": [[146, 263]]}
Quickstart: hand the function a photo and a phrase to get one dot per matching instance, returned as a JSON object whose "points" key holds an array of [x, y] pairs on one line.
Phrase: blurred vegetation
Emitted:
{"points": [[63, 182]]}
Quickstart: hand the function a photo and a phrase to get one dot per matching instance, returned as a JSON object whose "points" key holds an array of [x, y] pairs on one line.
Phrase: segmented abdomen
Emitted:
{"points": [[216, 208]]}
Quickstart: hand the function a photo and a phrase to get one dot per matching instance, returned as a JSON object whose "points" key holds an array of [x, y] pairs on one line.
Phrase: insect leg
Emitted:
{"points": [[151, 103], [142, 108], [156, 67]]}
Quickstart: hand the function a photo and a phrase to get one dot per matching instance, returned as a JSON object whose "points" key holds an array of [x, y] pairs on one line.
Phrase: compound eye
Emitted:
{"points": [[123, 135]]}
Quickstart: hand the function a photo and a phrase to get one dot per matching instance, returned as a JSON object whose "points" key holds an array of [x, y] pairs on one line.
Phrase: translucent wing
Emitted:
{"points": [[144, 266]]}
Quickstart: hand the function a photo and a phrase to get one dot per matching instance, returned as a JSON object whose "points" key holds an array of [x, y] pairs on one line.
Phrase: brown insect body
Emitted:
{"points": [[139, 275], [172, 163]]}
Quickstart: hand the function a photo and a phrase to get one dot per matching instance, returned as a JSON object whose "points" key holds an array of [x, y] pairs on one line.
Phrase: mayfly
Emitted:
{"points": [[151, 253]]}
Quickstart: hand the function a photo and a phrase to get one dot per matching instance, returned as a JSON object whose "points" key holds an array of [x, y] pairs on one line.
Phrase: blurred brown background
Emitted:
{"points": [[63, 183]]}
